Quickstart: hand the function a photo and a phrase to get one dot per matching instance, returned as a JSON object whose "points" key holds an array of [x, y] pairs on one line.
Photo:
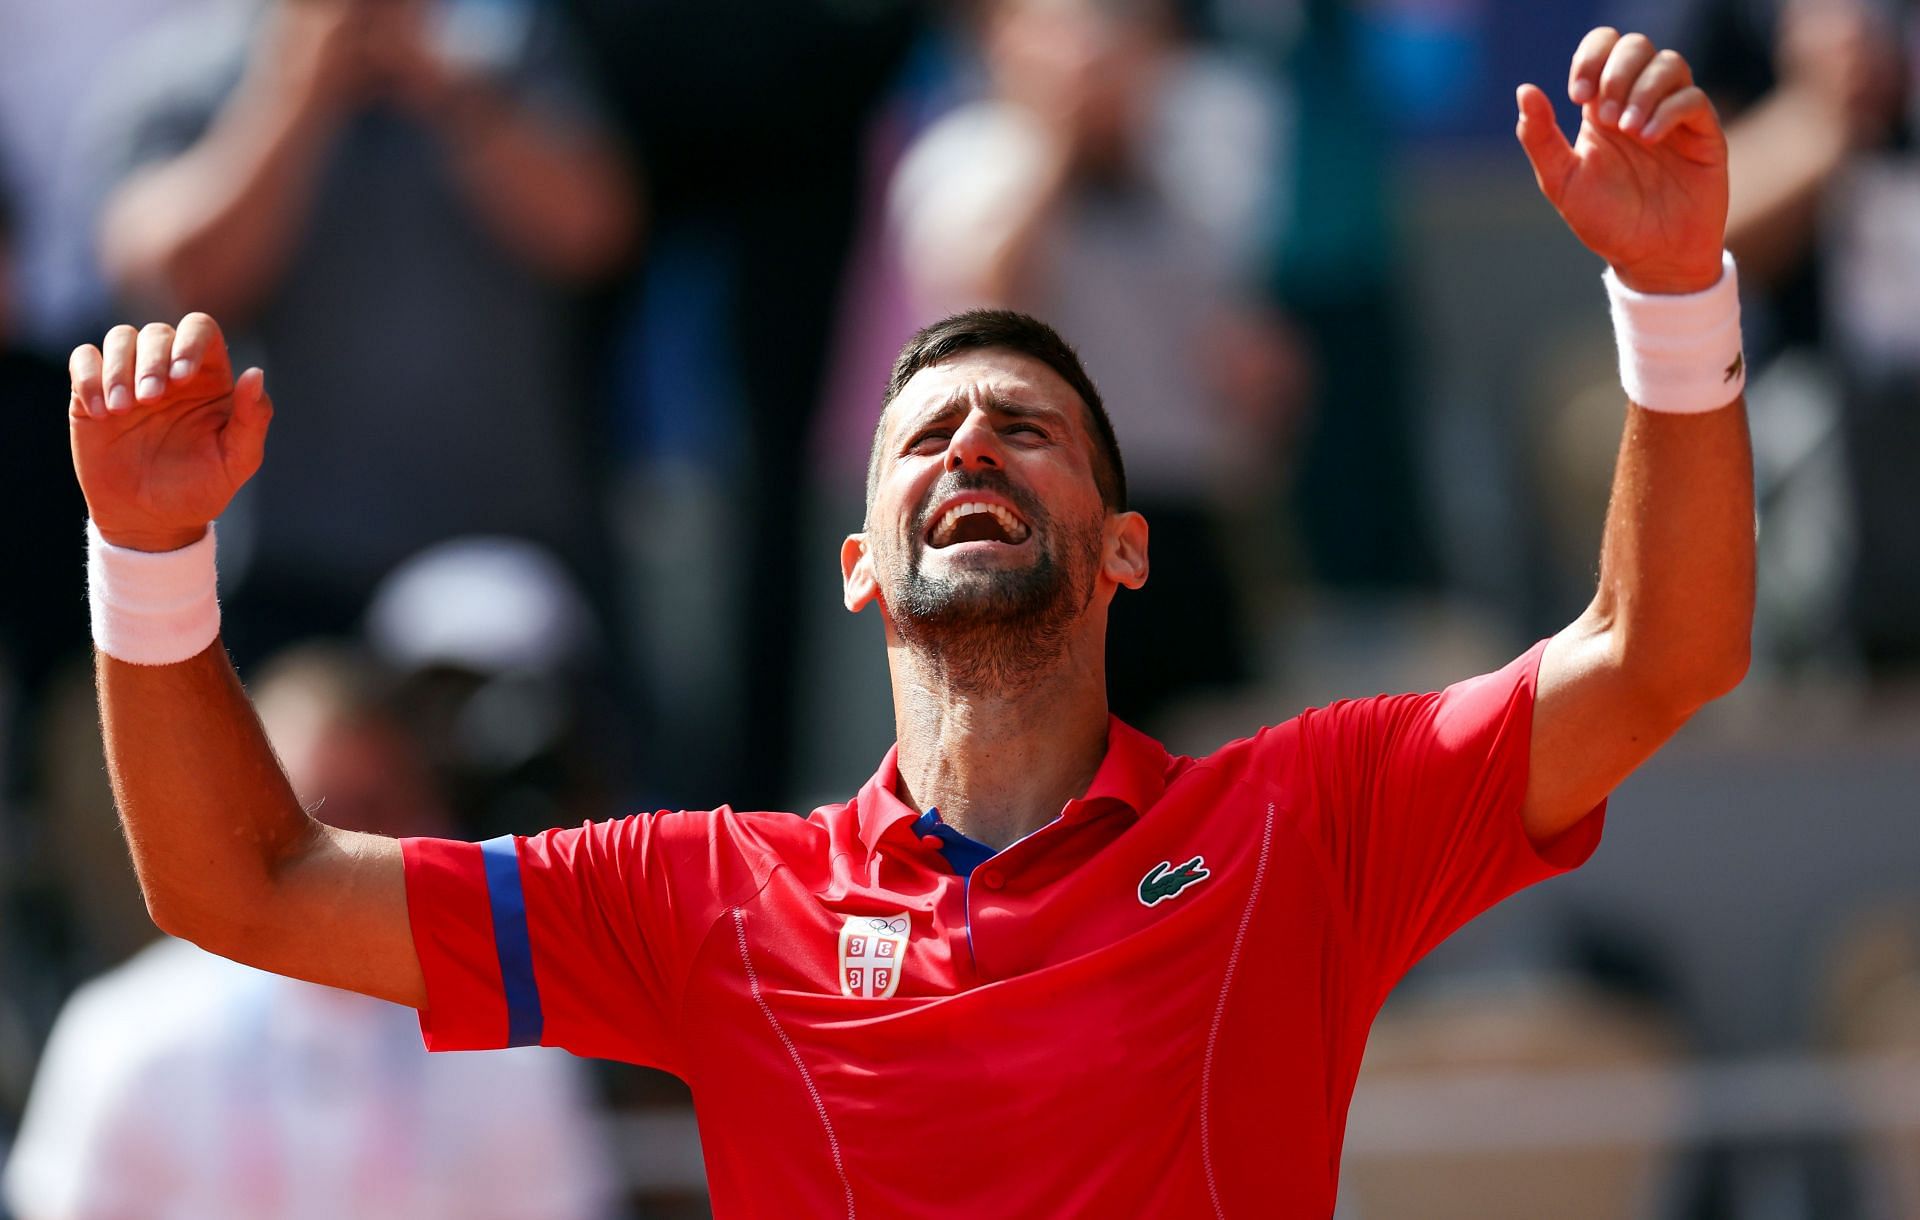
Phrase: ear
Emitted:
{"points": [[857, 585], [1123, 555]]}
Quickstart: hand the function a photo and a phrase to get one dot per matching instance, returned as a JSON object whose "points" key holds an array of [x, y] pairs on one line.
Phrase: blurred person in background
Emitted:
{"points": [[36, 634], [503, 682], [182, 1086], [1823, 97], [748, 119], [1116, 182], [393, 199], [43, 50], [38, 638]]}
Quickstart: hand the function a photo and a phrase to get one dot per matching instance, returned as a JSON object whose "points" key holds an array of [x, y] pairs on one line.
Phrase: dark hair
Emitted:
{"points": [[982, 328]]}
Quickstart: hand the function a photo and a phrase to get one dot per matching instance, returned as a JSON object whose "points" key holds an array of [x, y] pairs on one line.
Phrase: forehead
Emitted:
{"points": [[982, 376]]}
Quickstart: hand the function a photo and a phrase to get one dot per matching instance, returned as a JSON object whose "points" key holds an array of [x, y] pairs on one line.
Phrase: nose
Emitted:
{"points": [[974, 445]]}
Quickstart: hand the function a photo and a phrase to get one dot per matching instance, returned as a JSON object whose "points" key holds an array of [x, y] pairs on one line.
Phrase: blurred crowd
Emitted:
{"points": [[576, 316]]}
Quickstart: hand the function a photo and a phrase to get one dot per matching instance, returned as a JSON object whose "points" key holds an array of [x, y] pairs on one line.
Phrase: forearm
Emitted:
{"points": [[565, 202], [1781, 154], [212, 229], [1674, 607], [208, 813]]}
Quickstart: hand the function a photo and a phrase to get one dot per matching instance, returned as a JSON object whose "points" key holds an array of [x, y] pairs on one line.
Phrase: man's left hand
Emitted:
{"points": [[1644, 185]]}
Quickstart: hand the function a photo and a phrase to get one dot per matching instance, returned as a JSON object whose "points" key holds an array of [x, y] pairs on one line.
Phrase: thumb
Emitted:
{"points": [[243, 442], [1545, 145]]}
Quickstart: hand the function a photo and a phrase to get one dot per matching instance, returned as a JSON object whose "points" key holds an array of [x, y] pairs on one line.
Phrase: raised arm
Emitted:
{"points": [[1645, 187], [163, 435]]}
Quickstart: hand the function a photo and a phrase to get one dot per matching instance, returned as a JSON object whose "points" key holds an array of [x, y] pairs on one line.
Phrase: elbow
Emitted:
{"points": [[189, 917], [169, 914], [1686, 679], [1713, 677]]}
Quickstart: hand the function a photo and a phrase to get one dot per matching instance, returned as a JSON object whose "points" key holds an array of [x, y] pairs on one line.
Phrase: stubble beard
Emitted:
{"points": [[997, 630]]}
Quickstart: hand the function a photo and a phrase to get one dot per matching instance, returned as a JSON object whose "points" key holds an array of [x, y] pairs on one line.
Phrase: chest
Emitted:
{"points": [[1085, 954]]}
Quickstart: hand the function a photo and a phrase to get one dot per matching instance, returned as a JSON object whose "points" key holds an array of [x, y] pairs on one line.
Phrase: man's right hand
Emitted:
{"points": [[163, 434]]}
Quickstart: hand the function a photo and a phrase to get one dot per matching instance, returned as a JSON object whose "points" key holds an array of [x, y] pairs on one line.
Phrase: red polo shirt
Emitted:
{"points": [[1153, 1005]]}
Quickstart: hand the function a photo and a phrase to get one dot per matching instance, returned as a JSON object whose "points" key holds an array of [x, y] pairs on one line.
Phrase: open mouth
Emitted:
{"points": [[978, 521]]}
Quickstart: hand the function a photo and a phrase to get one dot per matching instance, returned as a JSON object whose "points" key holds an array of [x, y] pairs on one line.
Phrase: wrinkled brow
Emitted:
{"points": [[960, 401]]}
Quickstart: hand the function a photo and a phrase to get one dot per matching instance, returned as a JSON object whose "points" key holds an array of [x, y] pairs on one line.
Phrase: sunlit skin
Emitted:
{"points": [[997, 748]]}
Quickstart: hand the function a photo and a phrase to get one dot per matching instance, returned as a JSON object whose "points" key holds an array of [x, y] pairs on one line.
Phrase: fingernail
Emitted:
{"points": [[1582, 91], [119, 398], [181, 370], [1609, 113], [1631, 119], [150, 387]]}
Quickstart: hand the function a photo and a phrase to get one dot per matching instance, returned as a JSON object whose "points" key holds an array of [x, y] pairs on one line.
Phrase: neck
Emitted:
{"points": [[1000, 762]]}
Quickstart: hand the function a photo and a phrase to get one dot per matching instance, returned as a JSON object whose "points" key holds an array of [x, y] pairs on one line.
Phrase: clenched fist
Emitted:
{"points": [[1644, 185], [162, 433]]}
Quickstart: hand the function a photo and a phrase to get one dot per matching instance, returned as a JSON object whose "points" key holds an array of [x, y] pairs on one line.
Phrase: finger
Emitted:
{"points": [[83, 368], [244, 440], [1630, 57], [1663, 77], [197, 344], [1583, 78], [1689, 108], [116, 368], [150, 361], [1545, 144]]}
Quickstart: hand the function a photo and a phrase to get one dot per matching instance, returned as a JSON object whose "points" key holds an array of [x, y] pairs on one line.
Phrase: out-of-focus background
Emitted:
{"points": [[576, 315]]}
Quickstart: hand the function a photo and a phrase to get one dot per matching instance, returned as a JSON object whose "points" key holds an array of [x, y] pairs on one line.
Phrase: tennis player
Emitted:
{"points": [[1036, 966]]}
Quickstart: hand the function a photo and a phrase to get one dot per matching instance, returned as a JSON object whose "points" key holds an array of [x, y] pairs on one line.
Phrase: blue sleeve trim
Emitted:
{"points": [[511, 942]]}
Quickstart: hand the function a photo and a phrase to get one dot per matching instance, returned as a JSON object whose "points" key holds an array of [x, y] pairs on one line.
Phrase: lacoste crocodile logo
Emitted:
{"points": [[1163, 881]]}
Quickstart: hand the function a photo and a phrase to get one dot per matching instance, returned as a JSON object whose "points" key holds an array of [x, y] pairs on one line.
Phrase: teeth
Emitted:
{"points": [[1015, 529]]}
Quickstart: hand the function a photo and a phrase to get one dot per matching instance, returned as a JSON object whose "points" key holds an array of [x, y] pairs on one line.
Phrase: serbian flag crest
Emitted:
{"points": [[872, 950]]}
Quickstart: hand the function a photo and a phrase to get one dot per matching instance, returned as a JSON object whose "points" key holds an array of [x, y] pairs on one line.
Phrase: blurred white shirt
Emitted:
{"points": [[184, 1085], [1136, 281]]}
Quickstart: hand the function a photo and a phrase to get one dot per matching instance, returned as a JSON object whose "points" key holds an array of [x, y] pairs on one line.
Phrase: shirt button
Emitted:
{"points": [[992, 879]]}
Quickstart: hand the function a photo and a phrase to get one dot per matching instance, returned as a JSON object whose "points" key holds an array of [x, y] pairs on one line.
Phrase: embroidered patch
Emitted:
{"points": [[1163, 881], [873, 948]]}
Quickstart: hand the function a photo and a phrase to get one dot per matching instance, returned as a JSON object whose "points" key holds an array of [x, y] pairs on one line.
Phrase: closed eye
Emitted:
{"points": [[920, 442]]}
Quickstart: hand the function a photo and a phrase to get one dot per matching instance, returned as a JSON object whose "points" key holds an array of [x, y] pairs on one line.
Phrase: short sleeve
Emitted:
{"points": [[1417, 802], [575, 938]]}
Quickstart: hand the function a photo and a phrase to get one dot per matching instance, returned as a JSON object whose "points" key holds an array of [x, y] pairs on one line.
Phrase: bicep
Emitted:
{"points": [[1593, 724], [339, 917]]}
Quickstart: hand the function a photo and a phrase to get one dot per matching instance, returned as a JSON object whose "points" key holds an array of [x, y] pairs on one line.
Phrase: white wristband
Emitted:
{"points": [[1680, 353], [152, 608]]}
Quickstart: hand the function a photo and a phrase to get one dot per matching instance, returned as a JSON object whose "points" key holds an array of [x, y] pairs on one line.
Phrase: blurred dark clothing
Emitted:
{"points": [[43, 601], [748, 115], [427, 384], [1192, 599], [1359, 496]]}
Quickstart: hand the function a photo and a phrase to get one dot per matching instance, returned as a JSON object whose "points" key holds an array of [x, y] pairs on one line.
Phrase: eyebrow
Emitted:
{"points": [[998, 404]]}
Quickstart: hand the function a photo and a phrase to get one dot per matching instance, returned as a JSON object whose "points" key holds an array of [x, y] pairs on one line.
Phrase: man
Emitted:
{"points": [[181, 1085], [1036, 966], [373, 191]]}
